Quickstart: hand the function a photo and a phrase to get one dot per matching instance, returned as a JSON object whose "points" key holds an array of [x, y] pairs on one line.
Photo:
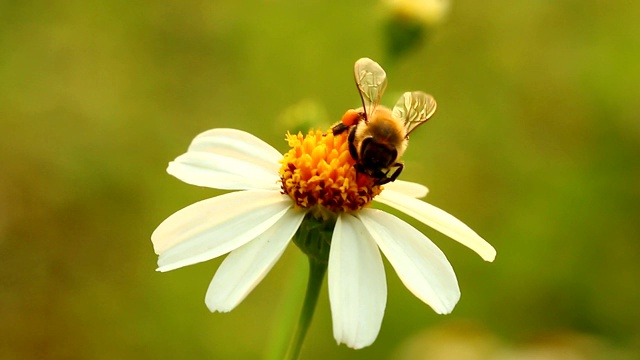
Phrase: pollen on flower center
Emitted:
{"points": [[319, 170]]}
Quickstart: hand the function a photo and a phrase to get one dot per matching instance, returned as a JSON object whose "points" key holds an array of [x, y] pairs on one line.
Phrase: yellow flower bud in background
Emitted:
{"points": [[427, 12], [409, 23]]}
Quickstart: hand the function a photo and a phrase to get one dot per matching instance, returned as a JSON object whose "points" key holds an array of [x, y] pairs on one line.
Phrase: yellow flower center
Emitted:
{"points": [[318, 171]]}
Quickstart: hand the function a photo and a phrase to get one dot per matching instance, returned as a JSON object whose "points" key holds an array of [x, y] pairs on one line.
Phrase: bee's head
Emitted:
{"points": [[375, 155]]}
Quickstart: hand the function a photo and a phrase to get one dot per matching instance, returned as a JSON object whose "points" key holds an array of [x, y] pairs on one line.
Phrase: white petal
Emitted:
{"points": [[219, 172], [246, 266], [357, 284], [215, 226], [421, 266], [228, 159], [439, 220], [408, 188]]}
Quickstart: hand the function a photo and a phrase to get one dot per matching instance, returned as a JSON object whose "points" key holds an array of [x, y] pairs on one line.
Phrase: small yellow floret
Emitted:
{"points": [[318, 170]]}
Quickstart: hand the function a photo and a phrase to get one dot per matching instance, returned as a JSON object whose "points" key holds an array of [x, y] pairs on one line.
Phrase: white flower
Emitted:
{"points": [[256, 224]]}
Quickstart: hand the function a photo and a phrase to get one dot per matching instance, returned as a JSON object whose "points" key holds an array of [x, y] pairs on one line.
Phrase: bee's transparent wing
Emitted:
{"points": [[371, 81], [414, 108]]}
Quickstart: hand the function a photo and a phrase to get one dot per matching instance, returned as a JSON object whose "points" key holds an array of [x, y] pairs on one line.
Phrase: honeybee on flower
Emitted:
{"points": [[318, 195], [379, 136]]}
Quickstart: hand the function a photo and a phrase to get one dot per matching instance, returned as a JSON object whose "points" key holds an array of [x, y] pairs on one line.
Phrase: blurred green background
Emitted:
{"points": [[536, 146]]}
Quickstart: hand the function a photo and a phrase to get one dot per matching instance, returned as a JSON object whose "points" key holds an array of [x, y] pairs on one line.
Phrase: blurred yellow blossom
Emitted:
{"points": [[427, 12], [409, 23]]}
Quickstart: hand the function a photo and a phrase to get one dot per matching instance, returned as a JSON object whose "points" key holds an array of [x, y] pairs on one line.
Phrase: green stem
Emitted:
{"points": [[293, 293], [317, 270]]}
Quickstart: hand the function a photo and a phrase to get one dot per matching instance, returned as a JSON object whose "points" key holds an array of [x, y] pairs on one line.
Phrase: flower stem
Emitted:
{"points": [[317, 269], [285, 325]]}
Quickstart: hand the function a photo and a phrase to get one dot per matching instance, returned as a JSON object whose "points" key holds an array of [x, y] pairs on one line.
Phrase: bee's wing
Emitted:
{"points": [[371, 81], [414, 109]]}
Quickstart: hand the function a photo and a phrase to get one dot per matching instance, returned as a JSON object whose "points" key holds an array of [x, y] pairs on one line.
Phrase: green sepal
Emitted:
{"points": [[314, 235]]}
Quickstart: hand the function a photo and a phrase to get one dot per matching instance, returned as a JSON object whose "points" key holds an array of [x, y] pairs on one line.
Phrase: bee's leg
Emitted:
{"points": [[339, 128], [352, 146], [396, 173], [384, 178], [349, 119]]}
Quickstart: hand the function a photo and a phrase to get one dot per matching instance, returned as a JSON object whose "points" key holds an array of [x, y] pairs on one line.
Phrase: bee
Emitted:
{"points": [[379, 136]]}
